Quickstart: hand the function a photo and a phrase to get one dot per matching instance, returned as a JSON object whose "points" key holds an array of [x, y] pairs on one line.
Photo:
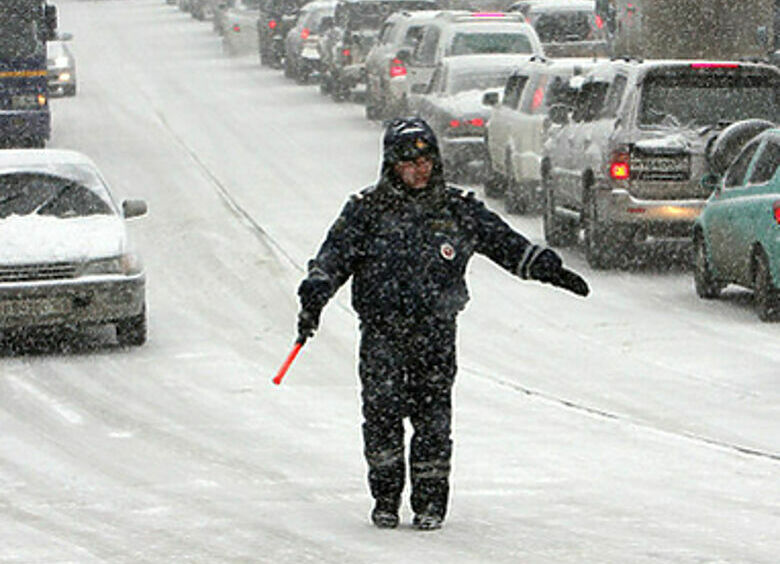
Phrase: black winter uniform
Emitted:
{"points": [[407, 251]]}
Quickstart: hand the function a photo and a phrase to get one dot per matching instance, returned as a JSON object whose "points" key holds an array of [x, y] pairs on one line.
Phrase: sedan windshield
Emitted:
{"points": [[477, 80], [477, 43], [33, 193], [707, 99]]}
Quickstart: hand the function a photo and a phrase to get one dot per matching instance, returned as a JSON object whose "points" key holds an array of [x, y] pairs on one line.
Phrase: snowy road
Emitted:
{"points": [[641, 425]]}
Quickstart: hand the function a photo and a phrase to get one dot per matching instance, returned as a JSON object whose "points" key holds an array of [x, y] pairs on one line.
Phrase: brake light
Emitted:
{"points": [[454, 123], [619, 168], [397, 68], [776, 209], [599, 22], [237, 28], [714, 65], [537, 99], [305, 32], [272, 24], [477, 122]]}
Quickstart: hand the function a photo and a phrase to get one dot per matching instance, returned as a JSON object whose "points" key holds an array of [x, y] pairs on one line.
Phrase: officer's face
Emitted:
{"points": [[416, 173]]}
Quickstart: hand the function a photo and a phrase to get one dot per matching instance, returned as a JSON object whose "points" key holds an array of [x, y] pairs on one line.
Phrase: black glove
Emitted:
{"points": [[544, 265], [308, 321], [571, 281], [314, 293]]}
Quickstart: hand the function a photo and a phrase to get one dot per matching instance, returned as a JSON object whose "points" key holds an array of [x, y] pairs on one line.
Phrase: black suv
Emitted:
{"points": [[277, 17]]}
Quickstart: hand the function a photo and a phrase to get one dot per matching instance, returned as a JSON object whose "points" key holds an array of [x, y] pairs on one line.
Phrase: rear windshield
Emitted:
{"points": [[567, 27], [477, 43], [707, 98], [371, 15], [32, 193], [481, 80]]}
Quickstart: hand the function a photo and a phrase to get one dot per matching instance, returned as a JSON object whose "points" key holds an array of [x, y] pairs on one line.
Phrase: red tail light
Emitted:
{"points": [[454, 123], [397, 68], [237, 28], [477, 122], [346, 52], [305, 33], [537, 99], [776, 209], [619, 168], [599, 22], [272, 24]]}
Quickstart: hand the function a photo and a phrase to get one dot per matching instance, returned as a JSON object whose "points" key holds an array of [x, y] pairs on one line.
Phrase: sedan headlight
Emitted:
{"points": [[128, 263]]}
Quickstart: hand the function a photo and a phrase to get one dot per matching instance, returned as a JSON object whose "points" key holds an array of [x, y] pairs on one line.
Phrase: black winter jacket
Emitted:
{"points": [[407, 250]]}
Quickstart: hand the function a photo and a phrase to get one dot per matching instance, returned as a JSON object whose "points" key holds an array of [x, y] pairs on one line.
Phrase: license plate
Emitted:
{"points": [[34, 307]]}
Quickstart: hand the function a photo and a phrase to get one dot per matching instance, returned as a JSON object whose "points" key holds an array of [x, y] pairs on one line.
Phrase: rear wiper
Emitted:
{"points": [[722, 124]]}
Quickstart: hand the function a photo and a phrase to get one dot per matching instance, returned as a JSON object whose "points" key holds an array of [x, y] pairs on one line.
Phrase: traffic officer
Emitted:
{"points": [[406, 242]]}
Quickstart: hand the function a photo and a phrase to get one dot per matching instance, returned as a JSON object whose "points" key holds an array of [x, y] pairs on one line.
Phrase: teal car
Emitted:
{"points": [[737, 235]]}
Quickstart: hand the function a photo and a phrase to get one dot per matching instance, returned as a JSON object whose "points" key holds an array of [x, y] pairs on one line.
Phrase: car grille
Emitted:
{"points": [[33, 272]]}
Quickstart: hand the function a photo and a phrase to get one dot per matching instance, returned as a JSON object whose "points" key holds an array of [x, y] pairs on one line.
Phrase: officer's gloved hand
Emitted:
{"points": [[314, 293], [544, 266], [308, 321]]}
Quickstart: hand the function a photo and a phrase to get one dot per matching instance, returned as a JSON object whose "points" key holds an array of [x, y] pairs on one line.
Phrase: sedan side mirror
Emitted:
{"points": [[134, 208], [559, 114], [711, 182], [490, 99]]}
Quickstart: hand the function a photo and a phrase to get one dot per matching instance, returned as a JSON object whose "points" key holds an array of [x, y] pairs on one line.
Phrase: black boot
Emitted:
{"points": [[430, 519], [385, 513]]}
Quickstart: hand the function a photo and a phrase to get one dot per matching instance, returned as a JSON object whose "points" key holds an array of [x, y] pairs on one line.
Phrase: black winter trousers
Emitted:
{"points": [[407, 369]]}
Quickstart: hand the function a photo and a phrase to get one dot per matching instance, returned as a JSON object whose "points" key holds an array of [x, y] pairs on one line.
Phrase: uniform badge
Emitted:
{"points": [[447, 251]]}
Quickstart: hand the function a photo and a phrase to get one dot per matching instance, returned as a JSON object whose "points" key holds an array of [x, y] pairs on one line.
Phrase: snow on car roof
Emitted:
{"points": [[561, 6]]}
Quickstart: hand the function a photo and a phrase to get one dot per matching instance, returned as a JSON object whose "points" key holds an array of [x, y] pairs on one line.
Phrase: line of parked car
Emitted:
{"points": [[618, 154]]}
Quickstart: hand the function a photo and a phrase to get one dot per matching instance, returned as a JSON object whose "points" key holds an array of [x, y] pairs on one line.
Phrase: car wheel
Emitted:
{"points": [[289, 71], [131, 331], [557, 232], [599, 247], [325, 84], [707, 287], [495, 185], [515, 198], [765, 296]]}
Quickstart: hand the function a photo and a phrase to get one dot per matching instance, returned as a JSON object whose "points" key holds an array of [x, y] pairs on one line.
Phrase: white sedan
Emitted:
{"points": [[65, 258]]}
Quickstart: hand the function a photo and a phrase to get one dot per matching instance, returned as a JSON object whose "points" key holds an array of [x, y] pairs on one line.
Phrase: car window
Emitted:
{"points": [[465, 43], [413, 35], [736, 172], [29, 193], [462, 80], [437, 80], [590, 100], [565, 27], [386, 32], [614, 96], [513, 90], [767, 163], [706, 98], [426, 51], [560, 91]]}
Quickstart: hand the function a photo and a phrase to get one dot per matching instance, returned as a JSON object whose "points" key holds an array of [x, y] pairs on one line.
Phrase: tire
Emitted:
{"points": [[557, 232], [766, 298], [131, 331], [515, 199], [600, 249], [707, 287], [495, 185], [325, 84], [289, 70]]}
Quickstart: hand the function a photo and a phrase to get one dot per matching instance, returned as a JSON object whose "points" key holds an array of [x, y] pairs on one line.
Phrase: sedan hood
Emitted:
{"points": [[34, 239]]}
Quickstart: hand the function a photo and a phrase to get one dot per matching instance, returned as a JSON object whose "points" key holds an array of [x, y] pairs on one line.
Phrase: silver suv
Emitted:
{"points": [[626, 163], [454, 33]]}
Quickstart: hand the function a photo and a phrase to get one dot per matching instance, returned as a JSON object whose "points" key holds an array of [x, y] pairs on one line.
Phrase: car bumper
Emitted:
{"points": [[353, 75], [98, 299], [660, 219], [460, 150]]}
